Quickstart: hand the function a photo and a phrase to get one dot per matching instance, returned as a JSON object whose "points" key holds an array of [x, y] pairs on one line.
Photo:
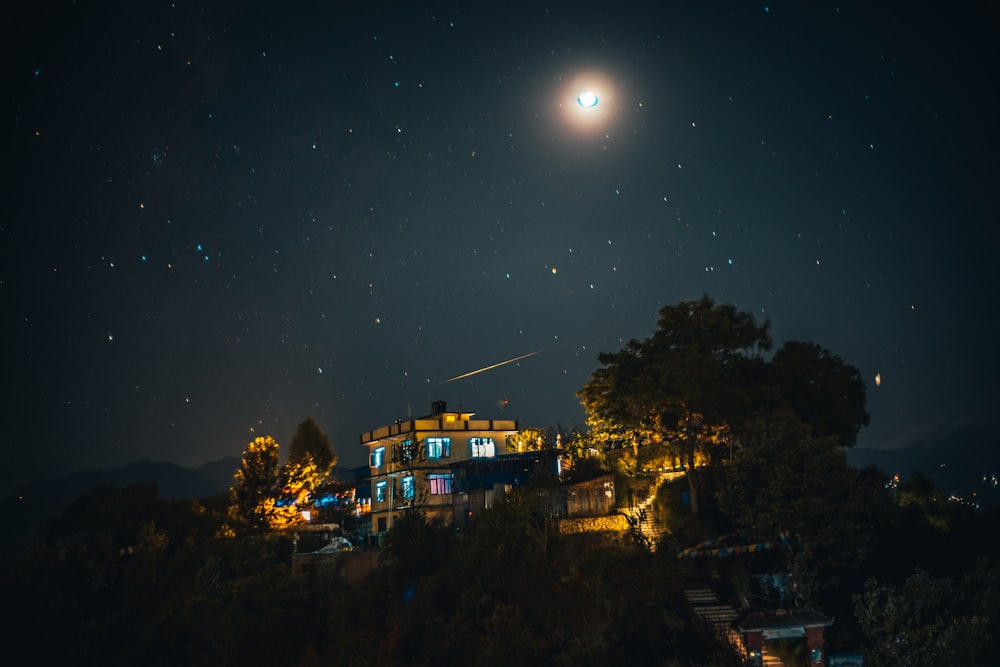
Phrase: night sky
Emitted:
{"points": [[224, 218]]}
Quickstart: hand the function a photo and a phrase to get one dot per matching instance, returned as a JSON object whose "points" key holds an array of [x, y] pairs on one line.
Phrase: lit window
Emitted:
{"points": [[409, 490], [380, 488], [440, 484], [482, 448], [438, 448], [378, 457]]}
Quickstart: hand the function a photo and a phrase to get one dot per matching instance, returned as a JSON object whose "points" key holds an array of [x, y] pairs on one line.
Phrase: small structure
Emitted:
{"points": [[760, 626], [591, 497]]}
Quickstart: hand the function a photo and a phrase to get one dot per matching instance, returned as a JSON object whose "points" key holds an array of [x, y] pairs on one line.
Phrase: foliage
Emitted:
{"points": [[821, 390], [510, 589], [530, 439], [684, 385], [255, 492], [310, 441], [124, 577], [927, 621], [787, 482], [299, 480]]}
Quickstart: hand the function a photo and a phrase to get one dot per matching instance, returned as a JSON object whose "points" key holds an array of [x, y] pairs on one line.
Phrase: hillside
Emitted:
{"points": [[962, 462], [30, 506]]}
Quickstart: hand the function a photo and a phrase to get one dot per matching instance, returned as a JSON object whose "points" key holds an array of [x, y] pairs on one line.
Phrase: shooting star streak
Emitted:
{"points": [[489, 368]]}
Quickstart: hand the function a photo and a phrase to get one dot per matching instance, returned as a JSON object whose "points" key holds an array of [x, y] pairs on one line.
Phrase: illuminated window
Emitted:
{"points": [[440, 484], [409, 489], [438, 448], [378, 457], [380, 488], [482, 448]]}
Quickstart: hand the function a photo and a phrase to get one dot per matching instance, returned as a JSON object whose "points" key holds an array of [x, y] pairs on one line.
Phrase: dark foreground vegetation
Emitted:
{"points": [[123, 577]]}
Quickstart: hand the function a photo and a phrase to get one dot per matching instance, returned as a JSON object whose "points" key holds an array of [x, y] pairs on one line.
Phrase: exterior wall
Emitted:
{"points": [[595, 497], [352, 566], [611, 523], [404, 454]]}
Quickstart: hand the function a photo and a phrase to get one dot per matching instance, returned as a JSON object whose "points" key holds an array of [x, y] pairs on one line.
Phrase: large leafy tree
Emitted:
{"points": [[821, 389], [310, 439], [787, 483], [684, 385]]}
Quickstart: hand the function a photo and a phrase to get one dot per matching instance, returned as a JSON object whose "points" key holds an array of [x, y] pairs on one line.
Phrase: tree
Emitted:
{"points": [[299, 481], [684, 385], [530, 439], [786, 484], [253, 497], [821, 389], [927, 621], [310, 439]]}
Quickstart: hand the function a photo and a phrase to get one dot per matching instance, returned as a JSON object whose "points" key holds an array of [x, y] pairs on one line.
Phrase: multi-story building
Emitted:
{"points": [[446, 465]]}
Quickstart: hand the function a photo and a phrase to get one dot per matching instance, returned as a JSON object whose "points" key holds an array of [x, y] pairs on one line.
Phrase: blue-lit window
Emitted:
{"points": [[438, 448], [440, 484], [378, 457], [380, 488], [409, 488], [482, 448]]}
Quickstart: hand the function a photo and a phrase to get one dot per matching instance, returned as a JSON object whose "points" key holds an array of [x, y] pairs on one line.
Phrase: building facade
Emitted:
{"points": [[424, 463]]}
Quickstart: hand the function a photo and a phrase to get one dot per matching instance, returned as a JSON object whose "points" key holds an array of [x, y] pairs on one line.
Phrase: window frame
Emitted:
{"points": [[482, 448], [438, 447], [440, 484]]}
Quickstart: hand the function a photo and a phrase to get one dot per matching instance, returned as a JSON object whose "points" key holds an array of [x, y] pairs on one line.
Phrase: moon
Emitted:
{"points": [[588, 102]]}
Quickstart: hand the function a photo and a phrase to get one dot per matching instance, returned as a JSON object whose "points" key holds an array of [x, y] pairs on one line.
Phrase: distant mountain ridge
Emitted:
{"points": [[32, 504], [961, 462]]}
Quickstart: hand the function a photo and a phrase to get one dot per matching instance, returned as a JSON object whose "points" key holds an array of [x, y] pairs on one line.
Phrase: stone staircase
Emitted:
{"points": [[716, 614], [703, 600], [706, 604], [645, 516]]}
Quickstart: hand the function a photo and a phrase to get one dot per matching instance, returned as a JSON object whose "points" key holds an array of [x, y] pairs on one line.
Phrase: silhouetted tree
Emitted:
{"points": [[785, 484], [310, 439], [821, 389], [683, 385]]}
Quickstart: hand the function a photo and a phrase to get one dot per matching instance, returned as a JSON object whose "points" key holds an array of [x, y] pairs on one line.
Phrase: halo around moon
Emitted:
{"points": [[587, 101]]}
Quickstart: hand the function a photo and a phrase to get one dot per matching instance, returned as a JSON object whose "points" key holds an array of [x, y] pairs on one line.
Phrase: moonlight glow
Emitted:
{"points": [[587, 102]]}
